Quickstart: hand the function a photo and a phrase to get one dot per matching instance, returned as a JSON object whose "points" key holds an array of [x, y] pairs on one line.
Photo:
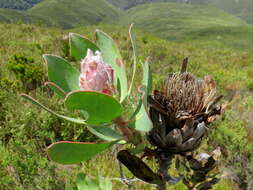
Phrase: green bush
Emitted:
{"points": [[26, 70]]}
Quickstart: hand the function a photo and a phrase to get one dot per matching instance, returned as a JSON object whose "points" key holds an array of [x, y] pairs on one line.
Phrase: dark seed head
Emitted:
{"points": [[181, 111]]}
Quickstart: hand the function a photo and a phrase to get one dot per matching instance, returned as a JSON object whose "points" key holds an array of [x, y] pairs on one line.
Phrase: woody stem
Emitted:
{"points": [[164, 164]]}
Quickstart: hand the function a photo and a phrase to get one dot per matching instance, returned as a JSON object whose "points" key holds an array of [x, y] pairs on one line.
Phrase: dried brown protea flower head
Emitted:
{"points": [[181, 111]]}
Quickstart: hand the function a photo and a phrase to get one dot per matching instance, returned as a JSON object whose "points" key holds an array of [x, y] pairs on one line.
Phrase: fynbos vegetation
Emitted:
{"points": [[101, 121]]}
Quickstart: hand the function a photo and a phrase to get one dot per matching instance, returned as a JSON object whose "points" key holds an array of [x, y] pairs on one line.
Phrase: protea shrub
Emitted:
{"points": [[175, 118]]}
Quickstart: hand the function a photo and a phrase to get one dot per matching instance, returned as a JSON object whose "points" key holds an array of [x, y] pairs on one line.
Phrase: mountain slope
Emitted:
{"points": [[15, 16], [18, 4], [172, 20], [240, 8], [68, 14], [127, 4], [11, 16], [65, 13]]}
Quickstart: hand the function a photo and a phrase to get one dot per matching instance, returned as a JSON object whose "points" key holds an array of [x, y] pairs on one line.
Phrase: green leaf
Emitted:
{"points": [[79, 46], [62, 73], [137, 109], [145, 89], [74, 120], [85, 183], [142, 120], [147, 78], [100, 107], [111, 55], [105, 133], [135, 56], [75, 152]]}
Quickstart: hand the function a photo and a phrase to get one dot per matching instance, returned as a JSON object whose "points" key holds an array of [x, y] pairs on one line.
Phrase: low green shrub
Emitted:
{"points": [[26, 70]]}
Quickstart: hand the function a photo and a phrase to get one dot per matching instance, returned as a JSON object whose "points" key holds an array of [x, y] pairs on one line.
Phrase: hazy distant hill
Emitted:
{"points": [[171, 20], [156, 17], [18, 4], [66, 13], [240, 8], [127, 4]]}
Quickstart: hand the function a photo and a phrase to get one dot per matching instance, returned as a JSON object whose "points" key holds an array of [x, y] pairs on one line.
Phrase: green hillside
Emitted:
{"points": [[11, 16], [15, 16], [126, 4], [65, 13], [68, 14], [13, 4], [18, 4], [167, 20], [174, 20], [240, 8], [48, 9], [123, 4]]}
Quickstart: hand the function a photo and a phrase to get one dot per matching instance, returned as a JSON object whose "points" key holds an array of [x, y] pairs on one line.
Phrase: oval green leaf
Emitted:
{"points": [[75, 152], [142, 120], [105, 133], [79, 46], [62, 73], [100, 107], [111, 55]]}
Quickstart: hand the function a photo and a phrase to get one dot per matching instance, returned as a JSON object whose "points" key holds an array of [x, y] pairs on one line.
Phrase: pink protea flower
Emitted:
{"points": [[95, 74]]}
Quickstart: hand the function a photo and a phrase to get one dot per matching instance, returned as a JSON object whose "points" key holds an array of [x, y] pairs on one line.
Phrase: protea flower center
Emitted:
{"points": [[181, 111], [95, 74]]}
